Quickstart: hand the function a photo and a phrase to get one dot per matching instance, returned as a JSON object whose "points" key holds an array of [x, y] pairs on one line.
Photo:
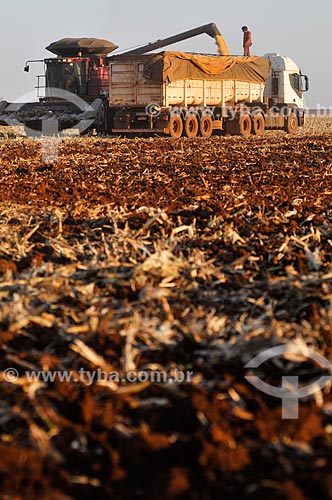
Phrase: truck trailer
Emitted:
{"points": [[178, 94], [166, 93]]}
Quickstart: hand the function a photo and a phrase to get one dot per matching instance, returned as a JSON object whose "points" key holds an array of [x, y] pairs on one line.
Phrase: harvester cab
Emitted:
{"points": [[86, 77], [80, 67]]}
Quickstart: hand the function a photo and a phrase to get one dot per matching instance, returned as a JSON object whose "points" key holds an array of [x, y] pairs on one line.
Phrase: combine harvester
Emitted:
{"points": [[171, 93]]}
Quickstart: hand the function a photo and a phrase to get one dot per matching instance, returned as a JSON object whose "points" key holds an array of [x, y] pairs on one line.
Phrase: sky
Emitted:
{"points": [[299, 30]]}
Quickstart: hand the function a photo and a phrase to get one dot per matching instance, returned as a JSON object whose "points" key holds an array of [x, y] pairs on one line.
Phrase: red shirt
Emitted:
{"points": [[247, 39]]}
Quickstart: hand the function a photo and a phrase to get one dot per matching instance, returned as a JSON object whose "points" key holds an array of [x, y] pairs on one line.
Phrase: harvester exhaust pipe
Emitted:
{"points": [[208, 29]]}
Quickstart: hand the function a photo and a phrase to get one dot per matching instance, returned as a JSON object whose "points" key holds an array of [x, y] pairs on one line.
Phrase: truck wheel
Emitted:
{"points": [[292, 124], [258, 125], [245, 125], [191, 126], [175, 126], [206, 126]]}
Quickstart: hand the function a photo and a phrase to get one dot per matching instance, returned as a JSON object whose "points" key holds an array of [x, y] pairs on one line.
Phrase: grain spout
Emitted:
{"points": [[222, 45]]}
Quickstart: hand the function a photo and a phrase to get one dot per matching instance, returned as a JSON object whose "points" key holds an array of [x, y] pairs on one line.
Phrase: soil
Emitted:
{"points": [[130, 255]]}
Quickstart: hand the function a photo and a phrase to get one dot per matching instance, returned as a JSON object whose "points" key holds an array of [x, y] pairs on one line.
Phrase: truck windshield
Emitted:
{"points": [[66, 74]]}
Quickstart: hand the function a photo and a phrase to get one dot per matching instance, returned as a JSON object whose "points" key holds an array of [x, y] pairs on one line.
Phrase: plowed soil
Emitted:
{"points": [[131, 255]]}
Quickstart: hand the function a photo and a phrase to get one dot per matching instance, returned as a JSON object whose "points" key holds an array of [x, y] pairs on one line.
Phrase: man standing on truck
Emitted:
{"points": [[247, 40]]}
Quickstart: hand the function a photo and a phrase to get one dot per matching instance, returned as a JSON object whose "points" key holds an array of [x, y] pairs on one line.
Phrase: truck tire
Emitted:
{"points": [[245, 125], [206, 126], [258, 124], [175, 126], [191, 126], [292, 123]]}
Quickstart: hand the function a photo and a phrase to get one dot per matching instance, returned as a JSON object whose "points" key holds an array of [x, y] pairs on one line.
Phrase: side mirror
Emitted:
{"points": [[27, 68], [304, 83]]}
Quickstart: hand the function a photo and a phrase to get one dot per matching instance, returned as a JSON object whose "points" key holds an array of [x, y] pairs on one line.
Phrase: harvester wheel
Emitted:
{"points": [[292, 123], [258, 124], [245, 125], [175, 126], [206, 126], [191, 126]]}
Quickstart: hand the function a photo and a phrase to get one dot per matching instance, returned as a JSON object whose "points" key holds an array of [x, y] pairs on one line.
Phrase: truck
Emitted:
{"points": [[166, 93]]}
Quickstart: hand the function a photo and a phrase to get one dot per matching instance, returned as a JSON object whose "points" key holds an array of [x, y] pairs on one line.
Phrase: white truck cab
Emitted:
{"points": [[286, 84]]}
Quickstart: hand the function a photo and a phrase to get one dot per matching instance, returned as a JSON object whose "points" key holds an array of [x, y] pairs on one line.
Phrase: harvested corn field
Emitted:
{"points": [[152, 255]]}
